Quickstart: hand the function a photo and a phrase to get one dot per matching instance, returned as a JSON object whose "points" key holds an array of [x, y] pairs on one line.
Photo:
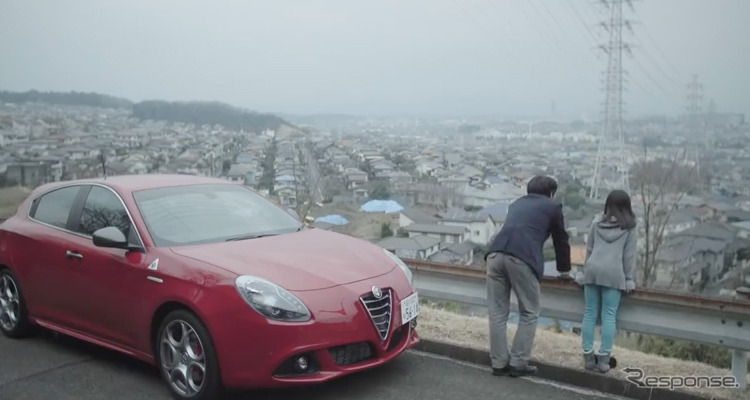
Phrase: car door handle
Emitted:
{"points": [[72, 254]]}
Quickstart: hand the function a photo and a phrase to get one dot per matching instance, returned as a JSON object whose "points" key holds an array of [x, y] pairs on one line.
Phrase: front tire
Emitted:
{"points": [[186, 357], [14, 318]]}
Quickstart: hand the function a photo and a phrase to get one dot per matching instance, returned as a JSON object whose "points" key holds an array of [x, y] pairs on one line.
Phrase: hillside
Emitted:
{"points": [[207, 113], [65, 98], [194, 112]]}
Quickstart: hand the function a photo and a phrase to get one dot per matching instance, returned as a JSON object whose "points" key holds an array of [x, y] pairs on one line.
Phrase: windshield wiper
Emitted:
{"points": [[247, 237]]}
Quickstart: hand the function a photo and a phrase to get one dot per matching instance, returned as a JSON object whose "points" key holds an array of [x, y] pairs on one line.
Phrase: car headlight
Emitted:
{"points": [[403, 267], [271, 300]]}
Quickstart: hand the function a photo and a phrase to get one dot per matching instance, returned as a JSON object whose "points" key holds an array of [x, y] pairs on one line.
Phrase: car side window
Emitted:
{"points": [[54, 207], [102, 209]]}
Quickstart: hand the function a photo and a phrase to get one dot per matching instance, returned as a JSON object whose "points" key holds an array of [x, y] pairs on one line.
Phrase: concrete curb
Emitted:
{"points": [[580, 378]]}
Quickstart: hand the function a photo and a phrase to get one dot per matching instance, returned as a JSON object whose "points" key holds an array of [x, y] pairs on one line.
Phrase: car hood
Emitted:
{"points": [[307, 260]]}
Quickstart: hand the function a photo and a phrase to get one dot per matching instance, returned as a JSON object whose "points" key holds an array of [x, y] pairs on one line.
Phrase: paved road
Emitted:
{"points": [[45, 367]]}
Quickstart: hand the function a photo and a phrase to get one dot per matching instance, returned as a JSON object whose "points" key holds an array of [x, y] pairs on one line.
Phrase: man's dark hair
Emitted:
{"points": [[543, 185]]}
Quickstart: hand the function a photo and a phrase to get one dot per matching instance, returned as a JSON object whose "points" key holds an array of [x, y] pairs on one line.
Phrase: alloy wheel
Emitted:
{"points": [[182, 358], [10, 306]]}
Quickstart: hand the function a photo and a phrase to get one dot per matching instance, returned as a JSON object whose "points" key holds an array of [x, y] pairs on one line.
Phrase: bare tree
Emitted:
{"points": [[443, 196], [661, 183]]}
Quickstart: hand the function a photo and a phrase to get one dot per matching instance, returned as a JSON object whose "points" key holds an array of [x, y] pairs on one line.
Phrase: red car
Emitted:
{"points": [[206, 279]]}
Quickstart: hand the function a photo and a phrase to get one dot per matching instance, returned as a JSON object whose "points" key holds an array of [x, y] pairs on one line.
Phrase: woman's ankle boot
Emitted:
{"points": [[589, 361]]}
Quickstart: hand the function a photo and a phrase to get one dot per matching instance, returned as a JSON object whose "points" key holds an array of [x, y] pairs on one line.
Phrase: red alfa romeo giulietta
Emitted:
{"points": [[214, 284]]}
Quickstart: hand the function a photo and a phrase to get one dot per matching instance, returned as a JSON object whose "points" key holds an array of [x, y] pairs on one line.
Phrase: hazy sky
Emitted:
{"points": [[377, 57]]}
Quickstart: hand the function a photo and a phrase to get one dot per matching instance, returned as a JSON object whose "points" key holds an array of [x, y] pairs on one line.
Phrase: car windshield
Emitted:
{"points": [[195, 214]]}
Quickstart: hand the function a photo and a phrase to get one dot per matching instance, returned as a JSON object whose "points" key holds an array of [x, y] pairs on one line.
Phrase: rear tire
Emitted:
{"points": [[14, 318], [186, 357]]}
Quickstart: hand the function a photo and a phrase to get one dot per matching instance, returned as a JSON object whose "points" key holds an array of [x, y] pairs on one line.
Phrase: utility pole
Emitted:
{"points": [[611, 136]]}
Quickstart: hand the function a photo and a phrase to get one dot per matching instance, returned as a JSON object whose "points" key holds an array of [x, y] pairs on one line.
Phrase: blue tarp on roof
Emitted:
{"points": [[333, 219], [384, 206]]}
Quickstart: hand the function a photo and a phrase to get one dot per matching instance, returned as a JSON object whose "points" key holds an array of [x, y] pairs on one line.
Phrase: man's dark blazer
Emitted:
{"points": [[531, 220]]}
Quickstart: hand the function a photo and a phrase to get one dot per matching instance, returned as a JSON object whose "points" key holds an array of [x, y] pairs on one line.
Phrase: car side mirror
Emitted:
{"points": [[110, 237]]}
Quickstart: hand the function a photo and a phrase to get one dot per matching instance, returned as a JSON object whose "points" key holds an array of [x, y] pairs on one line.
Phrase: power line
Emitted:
{"points": [[653, 60], [649, 76], [658, 48], [583, 21], [548, 12]]}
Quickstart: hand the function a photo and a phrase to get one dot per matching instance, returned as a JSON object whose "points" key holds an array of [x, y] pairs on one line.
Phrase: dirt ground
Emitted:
{"points": [[363, 225], [10, 199], [564, 349]]}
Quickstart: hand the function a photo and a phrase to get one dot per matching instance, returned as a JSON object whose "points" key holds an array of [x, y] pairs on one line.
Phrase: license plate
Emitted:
{"points": [[409, 308]]}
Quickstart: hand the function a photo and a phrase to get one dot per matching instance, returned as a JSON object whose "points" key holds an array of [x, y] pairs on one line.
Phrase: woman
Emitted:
{"points": [[608, 272]]}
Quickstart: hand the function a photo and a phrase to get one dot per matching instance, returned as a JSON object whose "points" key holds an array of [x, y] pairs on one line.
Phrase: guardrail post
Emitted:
{"points": [[739, 367]]}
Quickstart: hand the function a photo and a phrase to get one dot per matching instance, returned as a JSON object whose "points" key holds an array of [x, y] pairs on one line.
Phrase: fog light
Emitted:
{"points": [[301, 363]]}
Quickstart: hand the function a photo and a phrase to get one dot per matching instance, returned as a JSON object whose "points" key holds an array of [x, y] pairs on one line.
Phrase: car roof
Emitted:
{"points": [[134, 183]]}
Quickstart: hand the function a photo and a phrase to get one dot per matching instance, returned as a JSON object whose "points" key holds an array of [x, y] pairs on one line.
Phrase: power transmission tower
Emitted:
{"points": [[612, 138], [695, 106]]}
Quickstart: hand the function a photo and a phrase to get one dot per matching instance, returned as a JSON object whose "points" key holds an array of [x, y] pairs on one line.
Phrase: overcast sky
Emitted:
{"points": [[504, 57]]}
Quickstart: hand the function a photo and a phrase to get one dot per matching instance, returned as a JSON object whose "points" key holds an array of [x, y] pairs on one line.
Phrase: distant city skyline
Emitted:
{"points": [[429, 58]]}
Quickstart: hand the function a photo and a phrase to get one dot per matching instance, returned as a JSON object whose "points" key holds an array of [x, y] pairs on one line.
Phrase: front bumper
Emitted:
{"points": [[340, 339]]}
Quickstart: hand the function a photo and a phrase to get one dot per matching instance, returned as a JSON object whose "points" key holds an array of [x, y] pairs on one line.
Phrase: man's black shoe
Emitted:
{"points": [[501, 371], [523, 371]]}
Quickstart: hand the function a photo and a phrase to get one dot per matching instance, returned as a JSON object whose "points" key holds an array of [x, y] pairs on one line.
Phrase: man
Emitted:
{"points": [[515, 261]]}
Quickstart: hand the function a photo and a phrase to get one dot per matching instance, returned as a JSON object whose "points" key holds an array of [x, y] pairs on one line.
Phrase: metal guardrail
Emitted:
{"points": [[700, 319]]}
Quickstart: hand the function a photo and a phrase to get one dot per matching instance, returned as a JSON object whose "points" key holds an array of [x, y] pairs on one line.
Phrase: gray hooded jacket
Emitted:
{"points": [[610, 255]]}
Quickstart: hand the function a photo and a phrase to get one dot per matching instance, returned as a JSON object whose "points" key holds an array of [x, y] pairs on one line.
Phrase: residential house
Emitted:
{"points": [[480, 226], [680, 220], [418, 247], [578, 229], [445, 233], [409, 216], [426, 168], [29, 174], [243, 173], [433, 194], [499, 193], [245, 158], [743, 229], [696, 257], [456, 253], [286, 188], [739, 188], [737, 215], [717, 210], [355, 178]]}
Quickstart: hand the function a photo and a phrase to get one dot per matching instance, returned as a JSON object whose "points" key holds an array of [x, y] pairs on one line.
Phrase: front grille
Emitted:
{"points": [[380, 310], [351, 353]]}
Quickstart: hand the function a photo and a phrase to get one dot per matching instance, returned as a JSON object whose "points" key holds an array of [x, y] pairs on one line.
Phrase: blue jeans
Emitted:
{"points": [[604, 300]]}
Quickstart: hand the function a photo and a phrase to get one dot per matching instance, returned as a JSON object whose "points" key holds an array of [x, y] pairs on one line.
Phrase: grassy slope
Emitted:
{"points": [[564, 349]]}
